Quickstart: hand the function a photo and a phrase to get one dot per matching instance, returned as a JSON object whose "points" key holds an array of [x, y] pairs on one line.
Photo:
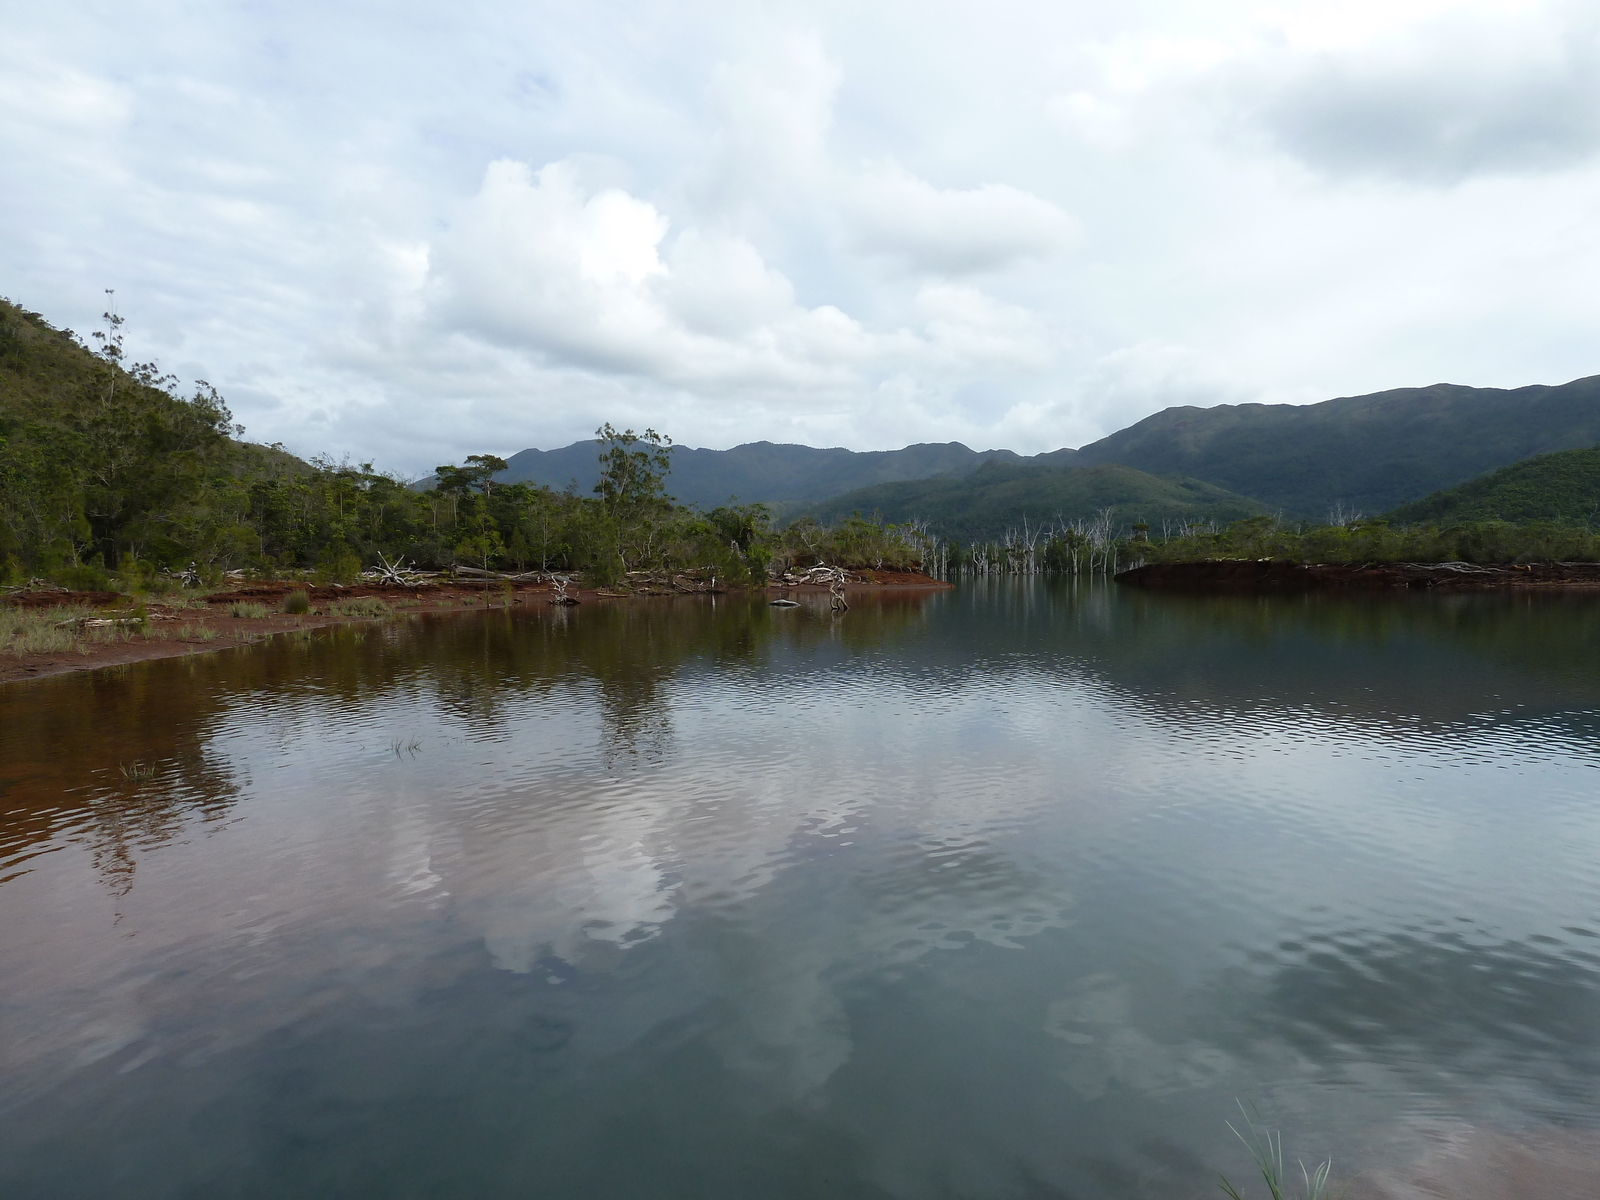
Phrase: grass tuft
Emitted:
{"points": [[1266, 1147], [363, 606], [53, 630], [244, 608], [297, 602]]}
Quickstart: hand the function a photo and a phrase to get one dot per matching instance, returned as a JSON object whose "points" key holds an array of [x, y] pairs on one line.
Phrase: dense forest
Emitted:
{"points": [[1562, 487], [108, 473]]}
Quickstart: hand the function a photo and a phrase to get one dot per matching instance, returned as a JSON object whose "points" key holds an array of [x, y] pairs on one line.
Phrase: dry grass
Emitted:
{"points": [[363, 606], [42, 630], [244, 608]]}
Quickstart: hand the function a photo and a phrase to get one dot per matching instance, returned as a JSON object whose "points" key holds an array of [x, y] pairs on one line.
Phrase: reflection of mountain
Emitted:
{"points": [[1399, 663]]}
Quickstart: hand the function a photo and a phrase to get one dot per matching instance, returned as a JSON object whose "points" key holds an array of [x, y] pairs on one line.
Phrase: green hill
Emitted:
{"points": [[98, 460], [1371, 453], [1564, 487], [999, 496]]}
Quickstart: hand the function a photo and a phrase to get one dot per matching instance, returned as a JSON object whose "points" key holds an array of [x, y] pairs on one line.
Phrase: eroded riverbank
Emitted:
{"points": [[110, 634], [1269, 576]]}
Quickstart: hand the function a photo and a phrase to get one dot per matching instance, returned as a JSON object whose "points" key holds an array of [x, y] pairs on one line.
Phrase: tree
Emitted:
{"points": [[478, 475], [483, 547], [632, 479]]}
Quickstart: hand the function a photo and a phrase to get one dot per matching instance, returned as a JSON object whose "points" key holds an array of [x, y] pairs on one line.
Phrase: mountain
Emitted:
{"points": [[1371, 453], [1564, 486], [998, 496], [766, 472], [1366, 453]]}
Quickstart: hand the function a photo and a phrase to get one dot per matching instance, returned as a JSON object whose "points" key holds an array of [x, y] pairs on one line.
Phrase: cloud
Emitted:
{"points": [[954, 231], [1439, 102], [867, 226], [589, 278]]}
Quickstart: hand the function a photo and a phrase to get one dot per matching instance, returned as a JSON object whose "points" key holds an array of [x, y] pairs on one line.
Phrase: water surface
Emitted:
{"points": [[1009, 891]]}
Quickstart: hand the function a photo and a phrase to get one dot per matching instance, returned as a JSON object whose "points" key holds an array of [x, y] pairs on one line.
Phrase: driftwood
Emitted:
{"points": [[819, 575], [397, 572], [508, 576]]}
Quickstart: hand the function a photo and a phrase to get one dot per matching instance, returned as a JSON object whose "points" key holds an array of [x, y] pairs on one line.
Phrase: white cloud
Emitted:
{"points": [[950, 230], [538, 262], [1455, 96], [858, 225]]}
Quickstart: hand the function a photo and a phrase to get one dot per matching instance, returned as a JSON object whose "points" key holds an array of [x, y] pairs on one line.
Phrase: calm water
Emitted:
{"points": [[1003, 892]]}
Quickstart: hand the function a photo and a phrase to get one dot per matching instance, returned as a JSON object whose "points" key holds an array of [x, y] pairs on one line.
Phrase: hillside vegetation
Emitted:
{"points": [[1366, 453], [1562, 487], [1000, 497], [109, 476]]}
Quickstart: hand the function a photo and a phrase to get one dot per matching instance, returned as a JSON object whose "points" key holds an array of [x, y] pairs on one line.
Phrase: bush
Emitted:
{"points": [[605, 571], [297, 602], [338, 566], [83, 579]]}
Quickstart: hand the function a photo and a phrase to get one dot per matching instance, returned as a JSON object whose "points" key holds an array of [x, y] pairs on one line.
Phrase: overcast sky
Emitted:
{"points": [[408, 232]]}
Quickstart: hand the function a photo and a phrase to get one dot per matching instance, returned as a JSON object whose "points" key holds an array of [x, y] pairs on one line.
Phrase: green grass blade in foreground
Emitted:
{"points": [[1266, 1147]]}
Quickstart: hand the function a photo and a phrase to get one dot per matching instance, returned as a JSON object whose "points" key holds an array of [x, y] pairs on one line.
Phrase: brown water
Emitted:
{"points": [[1004, 892]]}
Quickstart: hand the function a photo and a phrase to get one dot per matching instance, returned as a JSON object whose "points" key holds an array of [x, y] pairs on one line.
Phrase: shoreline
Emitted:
{"points": [[177, 630], [1267, 575]]}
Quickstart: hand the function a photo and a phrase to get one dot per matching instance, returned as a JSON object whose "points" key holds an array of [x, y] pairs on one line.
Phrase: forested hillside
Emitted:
{"points": [[1563, 487], [106, 470], [999, 497], [1366, 453]]}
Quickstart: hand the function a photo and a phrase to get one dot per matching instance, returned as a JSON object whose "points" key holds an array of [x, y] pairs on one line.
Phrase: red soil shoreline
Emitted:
{"points": [[229, 631], [1270, 576]]}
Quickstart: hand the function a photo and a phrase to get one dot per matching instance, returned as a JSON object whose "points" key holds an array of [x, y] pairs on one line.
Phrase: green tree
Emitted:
{"points": [[633, 470]]}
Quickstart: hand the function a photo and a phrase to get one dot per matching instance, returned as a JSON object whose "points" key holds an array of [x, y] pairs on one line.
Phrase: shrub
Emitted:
{"points": [[83, 579], [297, 602], [606, 570], [338, 566]]}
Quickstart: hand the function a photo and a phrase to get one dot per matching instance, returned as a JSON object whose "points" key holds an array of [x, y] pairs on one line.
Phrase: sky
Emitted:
{"points": [[407, 232]]}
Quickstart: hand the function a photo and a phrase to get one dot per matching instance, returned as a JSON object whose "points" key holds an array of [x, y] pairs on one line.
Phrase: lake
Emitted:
{"points": [[1013, 890]]}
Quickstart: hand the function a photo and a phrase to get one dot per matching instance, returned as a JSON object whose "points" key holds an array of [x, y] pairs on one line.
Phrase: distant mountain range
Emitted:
{"points": [[764, 472], [1365, 453]]}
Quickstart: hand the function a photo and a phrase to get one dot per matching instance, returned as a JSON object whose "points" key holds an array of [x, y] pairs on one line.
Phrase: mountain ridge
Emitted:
{"points": [[1371, 453], [775, 473]]}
